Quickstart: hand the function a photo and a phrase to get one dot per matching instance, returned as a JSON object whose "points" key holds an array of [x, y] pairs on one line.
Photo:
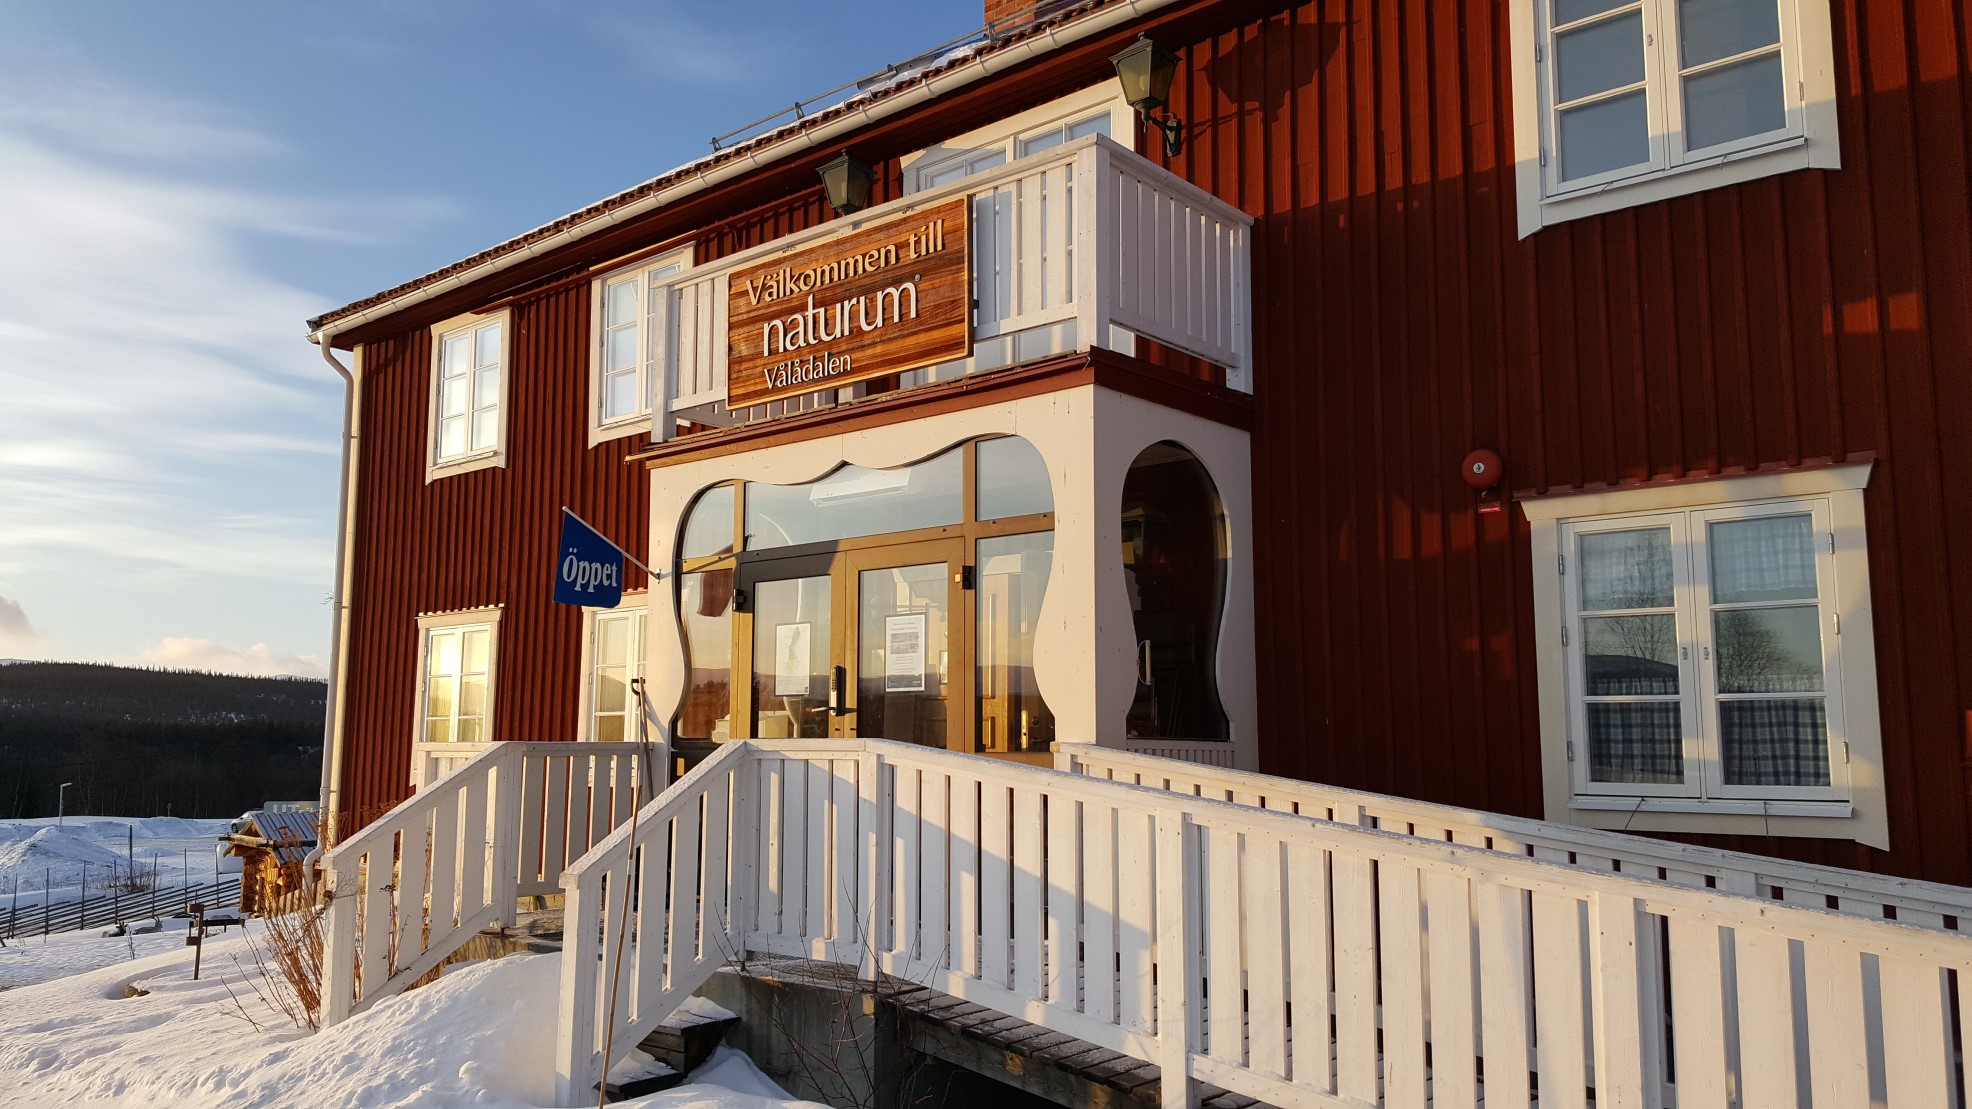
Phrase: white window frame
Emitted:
{"points": [[436, 467], [488, 619], [1005, 136], [657, 325], [1853, 806], [635, 608], [1809, 141]]}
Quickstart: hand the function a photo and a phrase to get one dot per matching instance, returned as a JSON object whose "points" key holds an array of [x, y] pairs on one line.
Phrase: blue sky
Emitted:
{"points": [[182, 184]]}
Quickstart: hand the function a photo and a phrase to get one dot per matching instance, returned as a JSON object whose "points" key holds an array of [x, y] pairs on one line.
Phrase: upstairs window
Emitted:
{"points": [[1625, 101], [635, 328], [1093, 111], [469, 395]]}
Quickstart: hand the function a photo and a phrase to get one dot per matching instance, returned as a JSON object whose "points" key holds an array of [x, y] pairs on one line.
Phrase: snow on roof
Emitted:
{"points": [[890, 86]]}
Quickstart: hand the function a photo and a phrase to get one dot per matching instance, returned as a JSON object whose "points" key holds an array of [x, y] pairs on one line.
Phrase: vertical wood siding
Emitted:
{"points": [[1400, 323], [488, 537]]}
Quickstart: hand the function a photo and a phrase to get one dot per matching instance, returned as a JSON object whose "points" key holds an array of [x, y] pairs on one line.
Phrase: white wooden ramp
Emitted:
{"points": [[1293, 959]]}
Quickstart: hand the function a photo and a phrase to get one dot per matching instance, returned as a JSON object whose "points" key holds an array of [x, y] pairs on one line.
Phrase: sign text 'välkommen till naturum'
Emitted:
{"points": [[877, 301]]}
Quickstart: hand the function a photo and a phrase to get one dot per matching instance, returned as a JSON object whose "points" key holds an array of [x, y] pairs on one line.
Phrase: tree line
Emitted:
{"points": [[153, 742]]}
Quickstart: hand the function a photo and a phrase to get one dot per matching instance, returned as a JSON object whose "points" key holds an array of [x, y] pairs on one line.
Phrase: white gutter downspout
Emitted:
{"points": [[352, 416], [981, 67]]}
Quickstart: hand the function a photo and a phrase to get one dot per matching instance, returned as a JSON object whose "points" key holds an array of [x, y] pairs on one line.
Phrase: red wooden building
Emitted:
{"points": [[1193, 478]]}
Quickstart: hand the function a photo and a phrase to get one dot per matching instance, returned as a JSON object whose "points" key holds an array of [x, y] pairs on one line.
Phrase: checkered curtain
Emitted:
{"points": [[1774, 743], [1767, 558], [1636, 741]]}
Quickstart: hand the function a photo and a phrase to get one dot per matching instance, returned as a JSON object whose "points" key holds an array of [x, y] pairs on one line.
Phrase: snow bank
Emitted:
{"points": [[482, 1035], [37, 852]]}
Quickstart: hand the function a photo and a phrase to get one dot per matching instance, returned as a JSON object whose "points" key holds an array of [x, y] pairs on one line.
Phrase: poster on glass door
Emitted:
{"points": [[903, 652], [791, 669]]}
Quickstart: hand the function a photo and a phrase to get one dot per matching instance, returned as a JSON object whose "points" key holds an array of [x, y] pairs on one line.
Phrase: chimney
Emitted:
{"points": [[1005, 15]]}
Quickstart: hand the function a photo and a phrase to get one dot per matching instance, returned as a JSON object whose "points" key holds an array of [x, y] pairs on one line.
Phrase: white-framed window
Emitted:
{"points": [[634, 320], [468, 422], [1621, 102], [612, 659], [457, 655], [1097, 110], [1706, 657]]}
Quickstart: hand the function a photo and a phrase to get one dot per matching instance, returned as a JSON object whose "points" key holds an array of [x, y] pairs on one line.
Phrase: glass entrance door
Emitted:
{"points": [[902, 673], [790, 605]]}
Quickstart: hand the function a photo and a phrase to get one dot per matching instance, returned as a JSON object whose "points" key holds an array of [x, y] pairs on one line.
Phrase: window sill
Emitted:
{"points": [[1836, 820], [620, 430], [466, 465], [1736, 167], [1839, 810]]}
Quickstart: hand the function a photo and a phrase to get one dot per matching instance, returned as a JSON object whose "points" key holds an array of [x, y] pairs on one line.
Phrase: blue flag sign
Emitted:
{"points": [[589, 570]]}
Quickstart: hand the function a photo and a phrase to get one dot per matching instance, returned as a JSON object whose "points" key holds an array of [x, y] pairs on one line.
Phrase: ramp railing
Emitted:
{"points": [[1295, 959], [412, 887]]}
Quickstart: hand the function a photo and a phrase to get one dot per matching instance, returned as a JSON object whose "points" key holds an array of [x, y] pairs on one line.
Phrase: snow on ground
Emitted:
{"points": [[40, 853], [482, 1035]]}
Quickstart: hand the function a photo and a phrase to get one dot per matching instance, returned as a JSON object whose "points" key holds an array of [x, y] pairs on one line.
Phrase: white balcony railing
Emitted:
{"points": [[1085, 245]]}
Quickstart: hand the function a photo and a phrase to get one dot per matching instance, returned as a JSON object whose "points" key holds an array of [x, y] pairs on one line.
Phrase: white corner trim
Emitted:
{"points": [[1866, 819]]}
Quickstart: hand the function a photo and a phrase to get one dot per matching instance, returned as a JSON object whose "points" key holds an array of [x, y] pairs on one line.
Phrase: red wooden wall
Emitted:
{"points": [[1400, 323]]}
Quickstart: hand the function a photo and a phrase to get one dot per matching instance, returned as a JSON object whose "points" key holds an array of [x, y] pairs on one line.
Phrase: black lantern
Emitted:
{"points": [[847, 183], [1145, 69]]}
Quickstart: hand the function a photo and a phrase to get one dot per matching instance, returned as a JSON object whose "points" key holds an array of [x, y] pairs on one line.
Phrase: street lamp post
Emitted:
{"points": [[61, 804]]}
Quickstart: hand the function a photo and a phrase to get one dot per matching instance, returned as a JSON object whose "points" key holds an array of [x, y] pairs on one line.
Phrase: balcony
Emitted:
{"points": [[1084, 245]]}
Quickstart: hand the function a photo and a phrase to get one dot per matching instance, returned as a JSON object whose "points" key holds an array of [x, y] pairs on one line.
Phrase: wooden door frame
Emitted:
{"points": [[955, 554]]}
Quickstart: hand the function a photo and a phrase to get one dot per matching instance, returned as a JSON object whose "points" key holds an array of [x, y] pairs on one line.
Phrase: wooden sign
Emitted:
{"points": [[879, 300]]}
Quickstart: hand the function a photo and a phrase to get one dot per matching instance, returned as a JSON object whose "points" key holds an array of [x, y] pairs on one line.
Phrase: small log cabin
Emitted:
{"points": [[1543, 406]]}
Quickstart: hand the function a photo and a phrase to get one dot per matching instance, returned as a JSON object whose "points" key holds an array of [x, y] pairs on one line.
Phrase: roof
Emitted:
{"points": [[292, 833], [749, 149]]}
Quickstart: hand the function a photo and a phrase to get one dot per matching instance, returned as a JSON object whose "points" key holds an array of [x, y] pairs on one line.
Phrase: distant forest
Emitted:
{"points": [[140, 742]]}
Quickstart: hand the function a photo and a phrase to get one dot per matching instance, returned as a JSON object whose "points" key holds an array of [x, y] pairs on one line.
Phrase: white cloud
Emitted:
{"points": [[166, 434], [160, 404], [17, 636], [184, 653]]}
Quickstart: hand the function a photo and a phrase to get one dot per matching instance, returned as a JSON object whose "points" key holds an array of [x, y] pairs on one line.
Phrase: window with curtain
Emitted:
{"points": [[1703, 653]]}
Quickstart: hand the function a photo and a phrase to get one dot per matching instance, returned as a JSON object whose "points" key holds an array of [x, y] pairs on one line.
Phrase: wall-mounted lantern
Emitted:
{"points": [[1145, 69], [847, 183]]}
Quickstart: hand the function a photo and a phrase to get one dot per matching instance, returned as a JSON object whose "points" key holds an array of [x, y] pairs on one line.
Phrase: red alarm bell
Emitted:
{"points": [[1482, 469]]}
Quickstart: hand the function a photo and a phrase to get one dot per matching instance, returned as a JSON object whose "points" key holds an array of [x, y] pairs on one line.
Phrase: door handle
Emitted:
{"points": [[838, 693]]}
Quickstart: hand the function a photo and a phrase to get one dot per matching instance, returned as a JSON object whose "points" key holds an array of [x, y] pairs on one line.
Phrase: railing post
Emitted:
{"points": [[507, 775], [1178, 968], [873, 826], [575, 1046], [1623, 977], [744, 852], [1094, 273], [339, 980]]}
